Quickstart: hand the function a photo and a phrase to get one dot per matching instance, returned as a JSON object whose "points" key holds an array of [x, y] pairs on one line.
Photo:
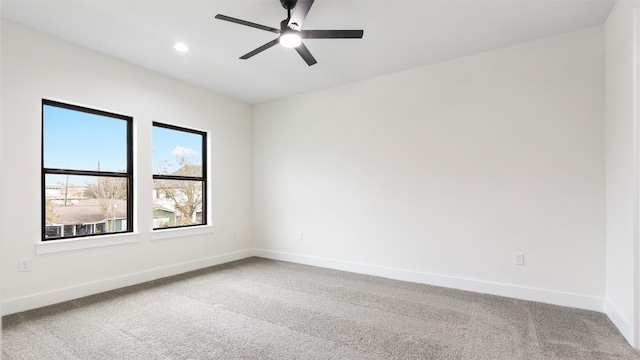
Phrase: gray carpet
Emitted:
{"points": [[264, 309]]}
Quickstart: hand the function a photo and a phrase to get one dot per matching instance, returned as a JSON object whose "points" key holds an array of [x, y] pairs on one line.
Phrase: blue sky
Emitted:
{"points": [[79, 141], [171, 145]]}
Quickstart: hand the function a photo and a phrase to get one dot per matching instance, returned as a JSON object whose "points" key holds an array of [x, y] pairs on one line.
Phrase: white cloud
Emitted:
{"points": [[180, 151]]}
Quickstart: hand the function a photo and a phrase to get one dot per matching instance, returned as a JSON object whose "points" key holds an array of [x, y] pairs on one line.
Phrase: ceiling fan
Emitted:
{"points": [[290, 33]]}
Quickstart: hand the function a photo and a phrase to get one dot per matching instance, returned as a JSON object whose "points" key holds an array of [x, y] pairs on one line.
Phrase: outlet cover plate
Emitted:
{"points": [[25, 265], [518, 258]]}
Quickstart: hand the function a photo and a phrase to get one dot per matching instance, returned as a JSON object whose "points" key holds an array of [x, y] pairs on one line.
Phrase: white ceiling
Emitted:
{"points": [[398, 35]]}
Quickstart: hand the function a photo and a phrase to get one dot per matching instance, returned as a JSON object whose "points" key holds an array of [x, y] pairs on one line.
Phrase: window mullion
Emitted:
{"points": [[85, 172]]}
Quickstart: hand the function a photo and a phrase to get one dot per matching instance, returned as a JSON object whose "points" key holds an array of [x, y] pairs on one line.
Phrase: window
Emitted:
{"points": [[87, 167], [179, 177]]}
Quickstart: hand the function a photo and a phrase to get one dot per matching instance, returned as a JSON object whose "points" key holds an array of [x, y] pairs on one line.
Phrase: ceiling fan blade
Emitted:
{"points": [[300, 13], [260, 49], [247, 23], [306, 54], [331, 34]]}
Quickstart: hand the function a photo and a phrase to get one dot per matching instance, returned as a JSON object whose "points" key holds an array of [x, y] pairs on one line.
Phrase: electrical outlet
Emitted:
{"points": [[518, 258], [25, 265], [234, 235], [300, 236]]}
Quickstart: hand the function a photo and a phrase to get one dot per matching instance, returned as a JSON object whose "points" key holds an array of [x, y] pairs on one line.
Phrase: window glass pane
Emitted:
{"points": [[83, 141], [177, 203], [84, 205], [176, 152]]}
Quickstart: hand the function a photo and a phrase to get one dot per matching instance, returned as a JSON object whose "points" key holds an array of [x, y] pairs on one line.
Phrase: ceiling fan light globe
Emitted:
{"points": [[181, 47], [290, 40]]}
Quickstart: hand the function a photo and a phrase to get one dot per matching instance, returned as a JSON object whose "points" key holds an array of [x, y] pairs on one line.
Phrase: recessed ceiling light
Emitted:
{"points": [[181, 47]]}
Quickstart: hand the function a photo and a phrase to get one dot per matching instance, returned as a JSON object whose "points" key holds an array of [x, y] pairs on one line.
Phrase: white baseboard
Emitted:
{"points": [[15, 305], [620, 321], [11, 306], [485, 287]]}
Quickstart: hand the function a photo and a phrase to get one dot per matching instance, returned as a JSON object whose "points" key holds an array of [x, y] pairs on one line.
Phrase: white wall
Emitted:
{"points": [[1, 187], [621, 171], [440, 173], [37, 66]]}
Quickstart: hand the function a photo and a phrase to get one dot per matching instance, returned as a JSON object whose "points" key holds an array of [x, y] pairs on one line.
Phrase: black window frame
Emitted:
{"points": [[128, 175], [202, 178]]}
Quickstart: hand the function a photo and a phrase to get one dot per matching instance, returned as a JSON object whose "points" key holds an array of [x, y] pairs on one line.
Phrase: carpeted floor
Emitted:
{"points": [[264, 309]]}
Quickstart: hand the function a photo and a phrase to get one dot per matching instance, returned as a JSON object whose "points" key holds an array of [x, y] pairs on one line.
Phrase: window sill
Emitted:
{"points": [[56, 246], [182, 232]]}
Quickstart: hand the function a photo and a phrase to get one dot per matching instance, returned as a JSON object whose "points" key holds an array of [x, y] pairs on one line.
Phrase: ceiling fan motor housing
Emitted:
{"points": [[288, 4]]}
